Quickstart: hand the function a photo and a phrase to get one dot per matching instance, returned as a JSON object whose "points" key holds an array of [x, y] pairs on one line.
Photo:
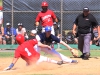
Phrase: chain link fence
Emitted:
{"points": [[25, 11]]}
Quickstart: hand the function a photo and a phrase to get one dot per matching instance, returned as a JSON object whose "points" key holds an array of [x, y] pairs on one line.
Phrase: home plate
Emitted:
{"points": [[6, 71]]}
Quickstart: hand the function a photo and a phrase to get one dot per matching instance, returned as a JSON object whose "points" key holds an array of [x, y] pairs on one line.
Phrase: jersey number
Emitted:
{"points": [[27, 51]]}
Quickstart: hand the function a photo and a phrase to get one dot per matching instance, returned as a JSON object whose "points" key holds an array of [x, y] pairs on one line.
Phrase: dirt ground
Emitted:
{"points": [[84, 67]]}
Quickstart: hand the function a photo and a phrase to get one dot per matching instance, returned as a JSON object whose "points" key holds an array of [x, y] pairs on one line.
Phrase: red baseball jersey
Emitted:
{"points": [[27, 52], [46, 18]]}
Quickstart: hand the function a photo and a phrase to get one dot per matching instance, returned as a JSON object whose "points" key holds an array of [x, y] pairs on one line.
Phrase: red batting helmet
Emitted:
{"points": [[20, 39], [1, 8], [44, 4]]}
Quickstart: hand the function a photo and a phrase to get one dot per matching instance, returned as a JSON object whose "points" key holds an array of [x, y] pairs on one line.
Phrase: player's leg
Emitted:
{"points": [[43, 29], [57, 54], [46, 59], [53, 31], [86, 47], [80, 44]]}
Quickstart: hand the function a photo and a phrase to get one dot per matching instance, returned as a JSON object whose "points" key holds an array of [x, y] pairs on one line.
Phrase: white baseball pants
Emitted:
{"points": [[53, 52]]}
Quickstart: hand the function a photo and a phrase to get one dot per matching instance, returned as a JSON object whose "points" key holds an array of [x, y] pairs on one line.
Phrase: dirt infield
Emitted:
{"points": [[84, 67]]}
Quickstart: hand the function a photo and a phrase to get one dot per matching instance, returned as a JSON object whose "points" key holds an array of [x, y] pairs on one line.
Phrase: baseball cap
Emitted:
{"points": [[47, 28], [7, 24], [20, 24], [44, 4], [85, 9], [34, 31]]}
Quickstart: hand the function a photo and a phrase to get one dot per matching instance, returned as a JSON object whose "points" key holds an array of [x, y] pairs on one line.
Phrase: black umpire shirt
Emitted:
{"points": [[85, 23]]}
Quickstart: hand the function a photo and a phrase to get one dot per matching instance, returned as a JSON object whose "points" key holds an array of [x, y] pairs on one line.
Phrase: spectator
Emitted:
{"points": [[2, 35], [85, 23], [1, 15], [47, 17], [1, 27], [32, 34], [95, 35], [21, 30], [9, 34]]}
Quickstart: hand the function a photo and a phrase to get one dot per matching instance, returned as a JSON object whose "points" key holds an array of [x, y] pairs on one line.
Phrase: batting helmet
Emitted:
{"points": [[47, 28], [44, 4], [1, 8], [20, 39]]}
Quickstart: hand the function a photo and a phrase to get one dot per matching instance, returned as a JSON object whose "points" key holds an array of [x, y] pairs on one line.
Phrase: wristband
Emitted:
{"points": [[11, 65]]}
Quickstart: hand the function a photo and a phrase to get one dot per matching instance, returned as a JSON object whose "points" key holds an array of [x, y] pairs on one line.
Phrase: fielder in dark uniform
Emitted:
{"points": [[85, 23], [47, 38]]}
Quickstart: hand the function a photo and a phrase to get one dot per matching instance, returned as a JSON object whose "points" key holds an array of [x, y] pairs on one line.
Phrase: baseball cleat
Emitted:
{"points": [[86, 56], [60, 62], [74, 61]]}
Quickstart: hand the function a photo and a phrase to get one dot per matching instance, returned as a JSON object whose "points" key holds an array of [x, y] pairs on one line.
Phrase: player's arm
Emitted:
{"points": [[63, 43], [12, 64], [98, 32], [74, 29], [2, 30], [40, 44], [56, 20], [73, 51], [43, 45], [37, 20], [37, 23]]}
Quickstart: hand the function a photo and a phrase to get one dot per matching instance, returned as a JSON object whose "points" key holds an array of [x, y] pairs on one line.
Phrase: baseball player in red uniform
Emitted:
{"points": [[26, 51], [47, 17]]}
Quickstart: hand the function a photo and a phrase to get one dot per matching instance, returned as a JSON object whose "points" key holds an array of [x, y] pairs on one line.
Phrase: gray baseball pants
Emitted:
{"points": [[84, 42]]}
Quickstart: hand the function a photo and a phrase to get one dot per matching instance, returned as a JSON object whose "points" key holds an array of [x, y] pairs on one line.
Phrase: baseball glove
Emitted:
{"points": [[74, 52]]}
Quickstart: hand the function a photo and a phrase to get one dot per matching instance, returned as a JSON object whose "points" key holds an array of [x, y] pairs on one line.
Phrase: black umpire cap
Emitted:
{"points": [[86, 9]]}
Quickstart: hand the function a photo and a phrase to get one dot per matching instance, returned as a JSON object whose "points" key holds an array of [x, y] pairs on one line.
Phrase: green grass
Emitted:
{"points": [[94, 53], [6, 54]]}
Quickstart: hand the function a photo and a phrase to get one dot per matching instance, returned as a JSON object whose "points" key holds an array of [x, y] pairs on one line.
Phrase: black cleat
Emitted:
{"points": [[86, 56], [60, 62]]}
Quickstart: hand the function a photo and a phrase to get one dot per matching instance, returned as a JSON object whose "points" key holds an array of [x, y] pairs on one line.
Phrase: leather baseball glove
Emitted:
{"points": [[74, 52]]}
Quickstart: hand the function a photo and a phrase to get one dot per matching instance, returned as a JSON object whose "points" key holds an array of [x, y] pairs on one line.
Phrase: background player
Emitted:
{"points": [[47, 17], [26, 51]]}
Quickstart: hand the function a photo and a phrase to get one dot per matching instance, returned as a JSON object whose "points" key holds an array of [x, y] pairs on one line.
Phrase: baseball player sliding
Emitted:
{"points": [[47, 38], [26, 51]]}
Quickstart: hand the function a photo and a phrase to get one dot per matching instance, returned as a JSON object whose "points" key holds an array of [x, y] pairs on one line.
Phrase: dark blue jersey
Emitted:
{"points": [[49, 40]]}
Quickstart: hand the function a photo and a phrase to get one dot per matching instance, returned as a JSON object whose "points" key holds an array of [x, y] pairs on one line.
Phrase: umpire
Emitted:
{"points": [[85, 23]]}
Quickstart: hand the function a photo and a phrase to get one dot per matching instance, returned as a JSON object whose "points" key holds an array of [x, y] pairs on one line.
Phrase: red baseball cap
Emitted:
{"points": [[44, 4]]}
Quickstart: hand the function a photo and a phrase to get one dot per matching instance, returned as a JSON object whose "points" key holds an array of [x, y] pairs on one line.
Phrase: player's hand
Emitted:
{"points": [[49, 47], [97, 37], [74, 32], [10, 67], [74, 52]]}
